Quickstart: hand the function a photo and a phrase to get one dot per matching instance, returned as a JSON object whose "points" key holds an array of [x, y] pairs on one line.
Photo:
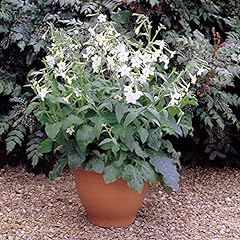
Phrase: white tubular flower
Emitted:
{"points": [[124, 70], [136, 61], [132, 97], [122, 53], [101, 39], [96, 63], [147, 58], [147, 71], [65, 100], [70, 130], [175, 98], [200, 71], [193, 78], [61, 66], [89, 51], [51, 61], [92, 31], [142, 79], [42, 92], [160, 43], [102, 18], [164, 58], [110, 63], [118, 97]]}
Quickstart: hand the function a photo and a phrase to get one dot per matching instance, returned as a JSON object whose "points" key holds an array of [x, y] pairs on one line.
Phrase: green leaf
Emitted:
{"points": [[174, 126], [132, 175], [45, 146], [58, 169], [111, 174], [71, 120], [31, 107], [143, 134], [85, 135], [147, 171], [167, 167], [74, 160], [138, 149], [52, 130], [106, 144], [95, 165], [120, 110], [155, 139], [132, 115]]}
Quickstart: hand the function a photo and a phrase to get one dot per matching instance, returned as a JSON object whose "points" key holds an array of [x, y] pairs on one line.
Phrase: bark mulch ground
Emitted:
{"points": [[207, 207]]}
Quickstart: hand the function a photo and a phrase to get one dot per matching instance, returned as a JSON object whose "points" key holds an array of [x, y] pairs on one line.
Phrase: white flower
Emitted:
{"points": [[136, 61], [65, 100], [89, 51], [92, 31], [70, 130], [160, 43], [101, 39], [122, 53], [193, 78], [61, 66], [132, 97], [76, 31], [172, 54], [102, 18], [147, 58], [111, 63], [127, 88], [175, 97], [50, 60], [142, 79], [200, 71], [147, 71], [164, 58], [96, 63], [118, 97], [42, 93], [124, 70]]}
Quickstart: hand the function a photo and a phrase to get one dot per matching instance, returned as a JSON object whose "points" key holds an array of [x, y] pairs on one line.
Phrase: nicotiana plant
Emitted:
{"points": [[110, 102]]}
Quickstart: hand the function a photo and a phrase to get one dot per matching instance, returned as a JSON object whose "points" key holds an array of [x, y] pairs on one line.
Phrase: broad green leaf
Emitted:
{"points": [[58, 169], [31, 107], [147, 171], [143, 134], [130, 118], [166, 166], [95, 165], [138, 150], [133, 176], [71, 120], [128, 140], [120, 110], [74, 160], [174, 126], [52, 130], [111, 174], [85, 135], [45, 146], [155, 139]]}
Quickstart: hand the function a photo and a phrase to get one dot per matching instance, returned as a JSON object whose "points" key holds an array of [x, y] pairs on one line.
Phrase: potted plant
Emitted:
{"points": [[108, 106]]}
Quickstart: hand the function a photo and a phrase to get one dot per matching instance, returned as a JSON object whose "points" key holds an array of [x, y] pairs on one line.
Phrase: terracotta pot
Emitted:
{"points": [[108, 205]]}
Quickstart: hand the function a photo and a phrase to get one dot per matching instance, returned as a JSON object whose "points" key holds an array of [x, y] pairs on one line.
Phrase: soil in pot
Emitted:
{"points": [[108, 205]]}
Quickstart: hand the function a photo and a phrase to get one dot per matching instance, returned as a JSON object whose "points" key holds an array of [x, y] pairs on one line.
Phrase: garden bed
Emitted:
{"points": [[207, 207]]}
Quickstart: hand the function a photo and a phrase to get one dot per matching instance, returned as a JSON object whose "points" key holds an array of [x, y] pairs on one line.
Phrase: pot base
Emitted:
{"points": [[111, 222], [108, 205]]}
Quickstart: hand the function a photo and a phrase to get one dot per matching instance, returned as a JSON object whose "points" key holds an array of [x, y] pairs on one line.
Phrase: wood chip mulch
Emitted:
{"points": [[207, 207]]}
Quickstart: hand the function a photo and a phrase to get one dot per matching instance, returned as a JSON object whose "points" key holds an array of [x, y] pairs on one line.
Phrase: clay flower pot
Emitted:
{"points": [[108, 205]]}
